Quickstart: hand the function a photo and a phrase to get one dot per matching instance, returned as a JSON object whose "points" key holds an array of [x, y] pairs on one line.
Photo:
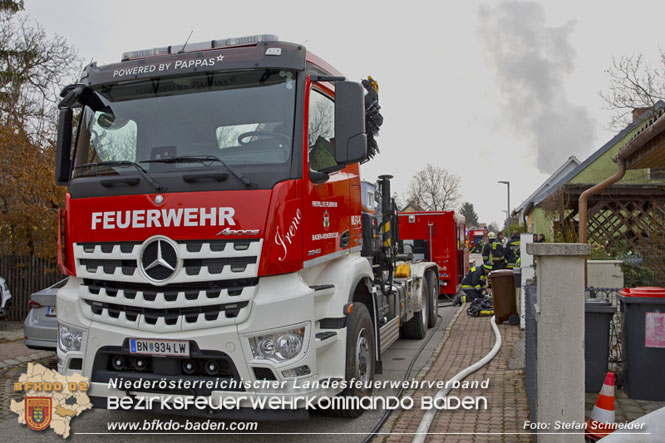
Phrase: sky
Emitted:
{"points": [[489, 90]]}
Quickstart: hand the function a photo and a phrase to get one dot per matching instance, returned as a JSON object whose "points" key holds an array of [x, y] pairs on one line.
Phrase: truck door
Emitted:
{"points": [[327, 206]]}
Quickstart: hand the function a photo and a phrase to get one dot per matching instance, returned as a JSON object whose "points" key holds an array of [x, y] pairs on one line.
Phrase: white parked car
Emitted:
{"points": [[5, 298]]}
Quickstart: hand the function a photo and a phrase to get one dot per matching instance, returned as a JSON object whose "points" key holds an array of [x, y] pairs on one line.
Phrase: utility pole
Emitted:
{"points": [[507, 183]]}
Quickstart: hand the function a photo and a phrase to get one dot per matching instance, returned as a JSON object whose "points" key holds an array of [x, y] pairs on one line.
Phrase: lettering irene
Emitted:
{"points": [[155, 218]]}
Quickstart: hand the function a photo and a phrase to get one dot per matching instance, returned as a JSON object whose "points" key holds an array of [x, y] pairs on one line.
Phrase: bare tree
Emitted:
{"points": [[398, 201], [33, 67], [434, 189], [321, 119], [634, 84]]}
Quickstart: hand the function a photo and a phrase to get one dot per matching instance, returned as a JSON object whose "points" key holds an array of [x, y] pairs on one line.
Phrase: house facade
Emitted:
{"points": [[552, 208]]}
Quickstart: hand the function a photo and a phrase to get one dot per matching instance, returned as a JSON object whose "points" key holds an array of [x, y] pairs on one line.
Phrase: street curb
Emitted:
{"points": [[388, 425]]}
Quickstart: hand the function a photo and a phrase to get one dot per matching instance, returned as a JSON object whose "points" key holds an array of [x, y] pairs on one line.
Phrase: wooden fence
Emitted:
{"points": [[25, 275]]}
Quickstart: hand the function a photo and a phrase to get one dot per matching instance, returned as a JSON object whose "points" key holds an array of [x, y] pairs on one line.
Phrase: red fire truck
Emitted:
{"points": [[213, 230], [477, 238], [437, 237]]}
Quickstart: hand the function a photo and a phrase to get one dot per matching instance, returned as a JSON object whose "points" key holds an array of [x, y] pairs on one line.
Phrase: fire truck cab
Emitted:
{"points": [[213, 229]]}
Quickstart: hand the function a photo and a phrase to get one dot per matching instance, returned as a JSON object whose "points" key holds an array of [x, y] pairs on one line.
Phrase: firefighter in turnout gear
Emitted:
{"points": [[488, 247], [478, 248], [494, 252], [513, 250], [473, 284]]}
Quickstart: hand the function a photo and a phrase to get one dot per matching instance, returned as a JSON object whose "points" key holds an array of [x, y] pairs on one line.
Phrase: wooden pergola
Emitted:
{"points": [[620, 216], [630, 212]]}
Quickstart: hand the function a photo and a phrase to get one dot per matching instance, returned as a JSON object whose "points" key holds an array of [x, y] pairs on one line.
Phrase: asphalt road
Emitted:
{"points": [[316, 428]]}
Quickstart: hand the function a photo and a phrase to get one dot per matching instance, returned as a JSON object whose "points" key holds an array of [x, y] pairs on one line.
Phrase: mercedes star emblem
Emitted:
{"points": [[159, 260]]}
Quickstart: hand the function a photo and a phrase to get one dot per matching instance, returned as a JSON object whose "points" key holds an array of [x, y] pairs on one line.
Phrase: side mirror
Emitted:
{"points": [[350, 137], [318, 177], [63, 147]]}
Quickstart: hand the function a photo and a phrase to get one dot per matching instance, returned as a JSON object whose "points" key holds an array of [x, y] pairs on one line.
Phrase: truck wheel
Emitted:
{"points": [[360, 355], [417, 326], [433, 299]]}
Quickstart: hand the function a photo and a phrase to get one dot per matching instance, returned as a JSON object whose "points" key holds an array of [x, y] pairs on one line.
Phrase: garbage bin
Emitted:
{"points": [[598, 314], [643, 320], [503, 288], [517, 274]]}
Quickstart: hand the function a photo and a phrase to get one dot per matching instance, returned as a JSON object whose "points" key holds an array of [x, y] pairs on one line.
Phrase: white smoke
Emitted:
{"points": [[532, 61]]}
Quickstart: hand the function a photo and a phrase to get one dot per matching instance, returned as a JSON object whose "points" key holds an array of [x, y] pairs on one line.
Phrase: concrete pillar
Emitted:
{"points": [[560, 323], [528, 272]]}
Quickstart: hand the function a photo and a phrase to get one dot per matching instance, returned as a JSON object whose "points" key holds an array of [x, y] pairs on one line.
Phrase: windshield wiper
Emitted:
{"points": [[122, 163], [203, 159]]}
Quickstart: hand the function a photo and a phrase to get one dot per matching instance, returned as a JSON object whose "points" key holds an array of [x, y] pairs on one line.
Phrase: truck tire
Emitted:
{"points": [[417, 326], [360, 359], [433, 312]]}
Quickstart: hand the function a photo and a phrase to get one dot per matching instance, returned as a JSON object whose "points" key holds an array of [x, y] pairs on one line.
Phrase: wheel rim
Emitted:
{"points": [[363, 356], [424, 305], [433, 304], [435, 298]]}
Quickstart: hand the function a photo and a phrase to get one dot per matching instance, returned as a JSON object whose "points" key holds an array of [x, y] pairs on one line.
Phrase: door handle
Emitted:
{"points": [[345, 239]]}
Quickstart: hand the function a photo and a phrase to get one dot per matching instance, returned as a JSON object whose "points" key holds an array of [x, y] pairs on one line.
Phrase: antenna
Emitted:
{"points": [[182, 50]]}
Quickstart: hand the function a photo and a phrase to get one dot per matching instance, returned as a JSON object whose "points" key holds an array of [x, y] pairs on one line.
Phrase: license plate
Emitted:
{"points": [[50, 311], [177, 348]]}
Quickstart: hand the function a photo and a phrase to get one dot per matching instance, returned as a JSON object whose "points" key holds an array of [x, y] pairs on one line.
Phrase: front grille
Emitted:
{"points": [[210, 282], [192, 266], [168, 308], [170, 315], [200, 260], [107, 247], [192, 245], [128, 267], [190, 291]]}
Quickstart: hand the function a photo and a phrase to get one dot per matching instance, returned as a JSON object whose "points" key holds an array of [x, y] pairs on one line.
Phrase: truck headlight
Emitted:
{"points": [[69, 339], [278, 346]]}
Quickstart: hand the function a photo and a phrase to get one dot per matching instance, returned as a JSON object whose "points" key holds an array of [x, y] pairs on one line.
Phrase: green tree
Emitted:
{"points": [[469, 214], [33, 68], [11, 5]]}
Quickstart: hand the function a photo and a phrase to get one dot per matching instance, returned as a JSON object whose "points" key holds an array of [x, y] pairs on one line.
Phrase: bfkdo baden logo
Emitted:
{"points": [[51, 400], [38, 412]]}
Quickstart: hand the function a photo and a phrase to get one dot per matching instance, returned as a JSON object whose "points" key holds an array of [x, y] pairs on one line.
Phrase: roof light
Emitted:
{"points": [[237, 41], [200, 46], [145, 53]]}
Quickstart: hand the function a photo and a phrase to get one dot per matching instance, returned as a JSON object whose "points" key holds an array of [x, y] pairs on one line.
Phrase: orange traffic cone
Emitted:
{"points": [[601, 422]]}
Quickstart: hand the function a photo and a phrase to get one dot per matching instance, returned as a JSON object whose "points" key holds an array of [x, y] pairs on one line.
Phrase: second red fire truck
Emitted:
{"points": [[437, 237]]}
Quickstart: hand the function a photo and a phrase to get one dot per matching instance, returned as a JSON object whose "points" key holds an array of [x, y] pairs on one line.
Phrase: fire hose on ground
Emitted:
{"points": [[426, 422]]}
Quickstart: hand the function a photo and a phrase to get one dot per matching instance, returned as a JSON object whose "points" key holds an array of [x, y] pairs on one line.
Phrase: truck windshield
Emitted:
{"points": [[242, 118]]}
